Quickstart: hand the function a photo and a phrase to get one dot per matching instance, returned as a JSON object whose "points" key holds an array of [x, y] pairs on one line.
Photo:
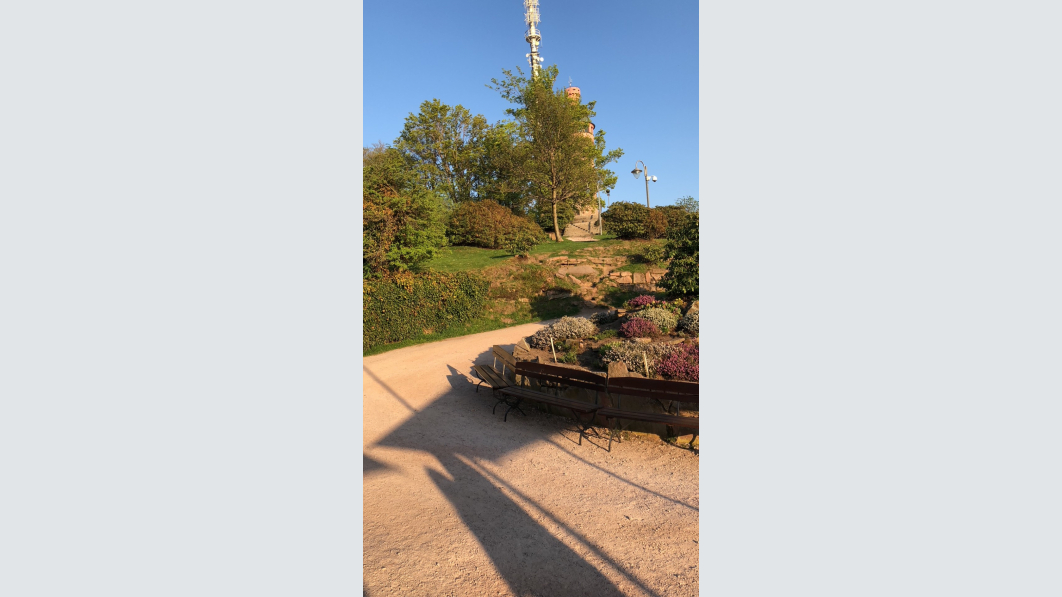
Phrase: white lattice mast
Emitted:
{"points": [[533, 37]]}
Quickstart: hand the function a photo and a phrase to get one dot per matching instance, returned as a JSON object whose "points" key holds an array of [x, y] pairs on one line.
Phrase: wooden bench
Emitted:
{"points": [[555, 378], [655, 389], [492, 376]]}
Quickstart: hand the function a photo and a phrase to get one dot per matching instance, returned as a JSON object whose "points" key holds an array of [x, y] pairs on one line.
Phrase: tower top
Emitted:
{"points": [[533, 37]]}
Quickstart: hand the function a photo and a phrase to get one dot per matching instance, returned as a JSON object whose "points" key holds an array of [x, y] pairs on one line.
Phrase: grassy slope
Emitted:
{"points": [[513, 279]]}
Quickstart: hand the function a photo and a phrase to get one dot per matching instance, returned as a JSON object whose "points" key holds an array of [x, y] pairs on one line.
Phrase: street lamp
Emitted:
{"points": [[637, 172]]}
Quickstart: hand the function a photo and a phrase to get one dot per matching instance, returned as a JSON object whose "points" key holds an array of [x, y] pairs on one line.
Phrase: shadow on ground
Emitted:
{"points": [[522, 550]]}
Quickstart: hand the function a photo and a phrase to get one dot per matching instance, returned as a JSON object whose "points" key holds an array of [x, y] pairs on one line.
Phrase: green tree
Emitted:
{"points": [[402, 222], [555, 161], [683, 248], [446, 144], [689, 204], [497, 170]]}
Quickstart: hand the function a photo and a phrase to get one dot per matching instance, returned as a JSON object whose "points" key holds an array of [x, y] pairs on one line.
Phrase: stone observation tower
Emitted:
{"points": [[587, 223]]}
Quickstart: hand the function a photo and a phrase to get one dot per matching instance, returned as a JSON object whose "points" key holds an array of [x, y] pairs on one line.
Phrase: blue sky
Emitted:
{"points": [[637, 60]]}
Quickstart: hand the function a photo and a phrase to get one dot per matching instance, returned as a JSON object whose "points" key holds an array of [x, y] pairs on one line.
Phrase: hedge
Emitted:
{"points": [[403, 306]]}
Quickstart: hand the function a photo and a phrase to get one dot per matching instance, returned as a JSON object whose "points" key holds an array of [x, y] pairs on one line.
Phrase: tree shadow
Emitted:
{"points": [[522, 550]]}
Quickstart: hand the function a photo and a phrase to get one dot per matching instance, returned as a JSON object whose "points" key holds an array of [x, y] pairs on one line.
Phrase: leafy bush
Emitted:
{"points": [[640, 301], [683, 248], [402, 224], [402, 306], [522, 238], [639, 328], [663, 319], [631, 353], [651, 253], [690, 322], [627, 220], [682, 363], [490, 225], [569, 357], [566, 328], [655, 224], [673, 214], [606, 334]]}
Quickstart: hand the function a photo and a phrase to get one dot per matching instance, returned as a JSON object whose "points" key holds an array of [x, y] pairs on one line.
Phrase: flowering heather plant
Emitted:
{"points": [[682, 363], [565, 329], [635, 355], [663, 319], [639, 328], [640, 301]]}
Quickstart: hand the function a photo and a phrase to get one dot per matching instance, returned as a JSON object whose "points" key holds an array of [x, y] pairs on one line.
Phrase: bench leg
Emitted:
{"points": [[585, 427], [499, 401], [515, 405]]}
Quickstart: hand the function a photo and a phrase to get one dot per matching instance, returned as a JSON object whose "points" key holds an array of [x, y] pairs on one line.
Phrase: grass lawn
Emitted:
{"points": [[459, 259]]}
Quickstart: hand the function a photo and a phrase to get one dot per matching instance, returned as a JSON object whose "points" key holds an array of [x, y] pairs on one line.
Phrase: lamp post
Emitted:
{"points": [[637, 172]]}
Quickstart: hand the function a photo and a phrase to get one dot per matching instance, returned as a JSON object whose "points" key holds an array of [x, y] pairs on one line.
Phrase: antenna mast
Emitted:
{"points": [[533, 37]]}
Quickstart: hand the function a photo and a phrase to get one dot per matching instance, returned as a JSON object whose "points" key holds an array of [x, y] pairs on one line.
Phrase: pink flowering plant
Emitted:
{"points": [[639, 328], [640, 301], [682, 363]]}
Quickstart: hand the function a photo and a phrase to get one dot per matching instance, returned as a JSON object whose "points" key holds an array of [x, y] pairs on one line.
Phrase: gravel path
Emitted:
{"points": [[459, 503]]}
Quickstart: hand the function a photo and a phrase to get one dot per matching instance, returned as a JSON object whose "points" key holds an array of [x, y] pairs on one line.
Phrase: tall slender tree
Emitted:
{"points": [[554, 161]]}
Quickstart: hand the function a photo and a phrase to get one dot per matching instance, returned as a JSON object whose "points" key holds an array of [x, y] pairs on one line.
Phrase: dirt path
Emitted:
{"points": [[459, 503]]}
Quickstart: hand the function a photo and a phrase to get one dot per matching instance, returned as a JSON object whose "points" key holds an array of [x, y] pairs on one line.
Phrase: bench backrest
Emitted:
{"points": [[660, 389], [507, 359], [562, 376]]}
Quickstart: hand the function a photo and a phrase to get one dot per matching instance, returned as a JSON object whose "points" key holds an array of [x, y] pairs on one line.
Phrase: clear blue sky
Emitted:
{"points": [[637, 60]]}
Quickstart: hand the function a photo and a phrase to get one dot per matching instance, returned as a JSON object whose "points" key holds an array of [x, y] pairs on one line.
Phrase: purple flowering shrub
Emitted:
{"points": [[639, 328], [640, 301], [683, 363]]}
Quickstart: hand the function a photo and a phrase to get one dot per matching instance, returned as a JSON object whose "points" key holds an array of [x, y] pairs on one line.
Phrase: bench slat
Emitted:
{"points": [[490, 376], [568, 403]]}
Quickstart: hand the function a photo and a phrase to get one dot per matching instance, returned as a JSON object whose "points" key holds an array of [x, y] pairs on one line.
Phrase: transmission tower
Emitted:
{"points": [[533, 37]]}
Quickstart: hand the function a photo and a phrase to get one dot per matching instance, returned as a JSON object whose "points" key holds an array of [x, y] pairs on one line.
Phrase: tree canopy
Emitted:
{"points": [[554, 159], [403, 222], [446, 146]]}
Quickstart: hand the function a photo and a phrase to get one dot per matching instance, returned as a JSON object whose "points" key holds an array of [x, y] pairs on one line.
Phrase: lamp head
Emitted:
{"points": [[636, 172]]}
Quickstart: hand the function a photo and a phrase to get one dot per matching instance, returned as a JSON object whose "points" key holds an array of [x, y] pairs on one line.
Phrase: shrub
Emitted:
{"points": [[690, 322], [631, 353], [683, 248], [640, 301], [565, 329], [403, 223], [569, 357], [639, 328], [522, 237], [603, 317], [663, 319], [655, 225], [402, 306], [627, 220], [606, 334], [651, 253], [490, 225], [682, 363], [675, 215]]}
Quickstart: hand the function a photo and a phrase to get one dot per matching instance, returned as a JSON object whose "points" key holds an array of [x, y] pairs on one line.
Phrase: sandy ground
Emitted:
{"points": [[459, 503]]}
